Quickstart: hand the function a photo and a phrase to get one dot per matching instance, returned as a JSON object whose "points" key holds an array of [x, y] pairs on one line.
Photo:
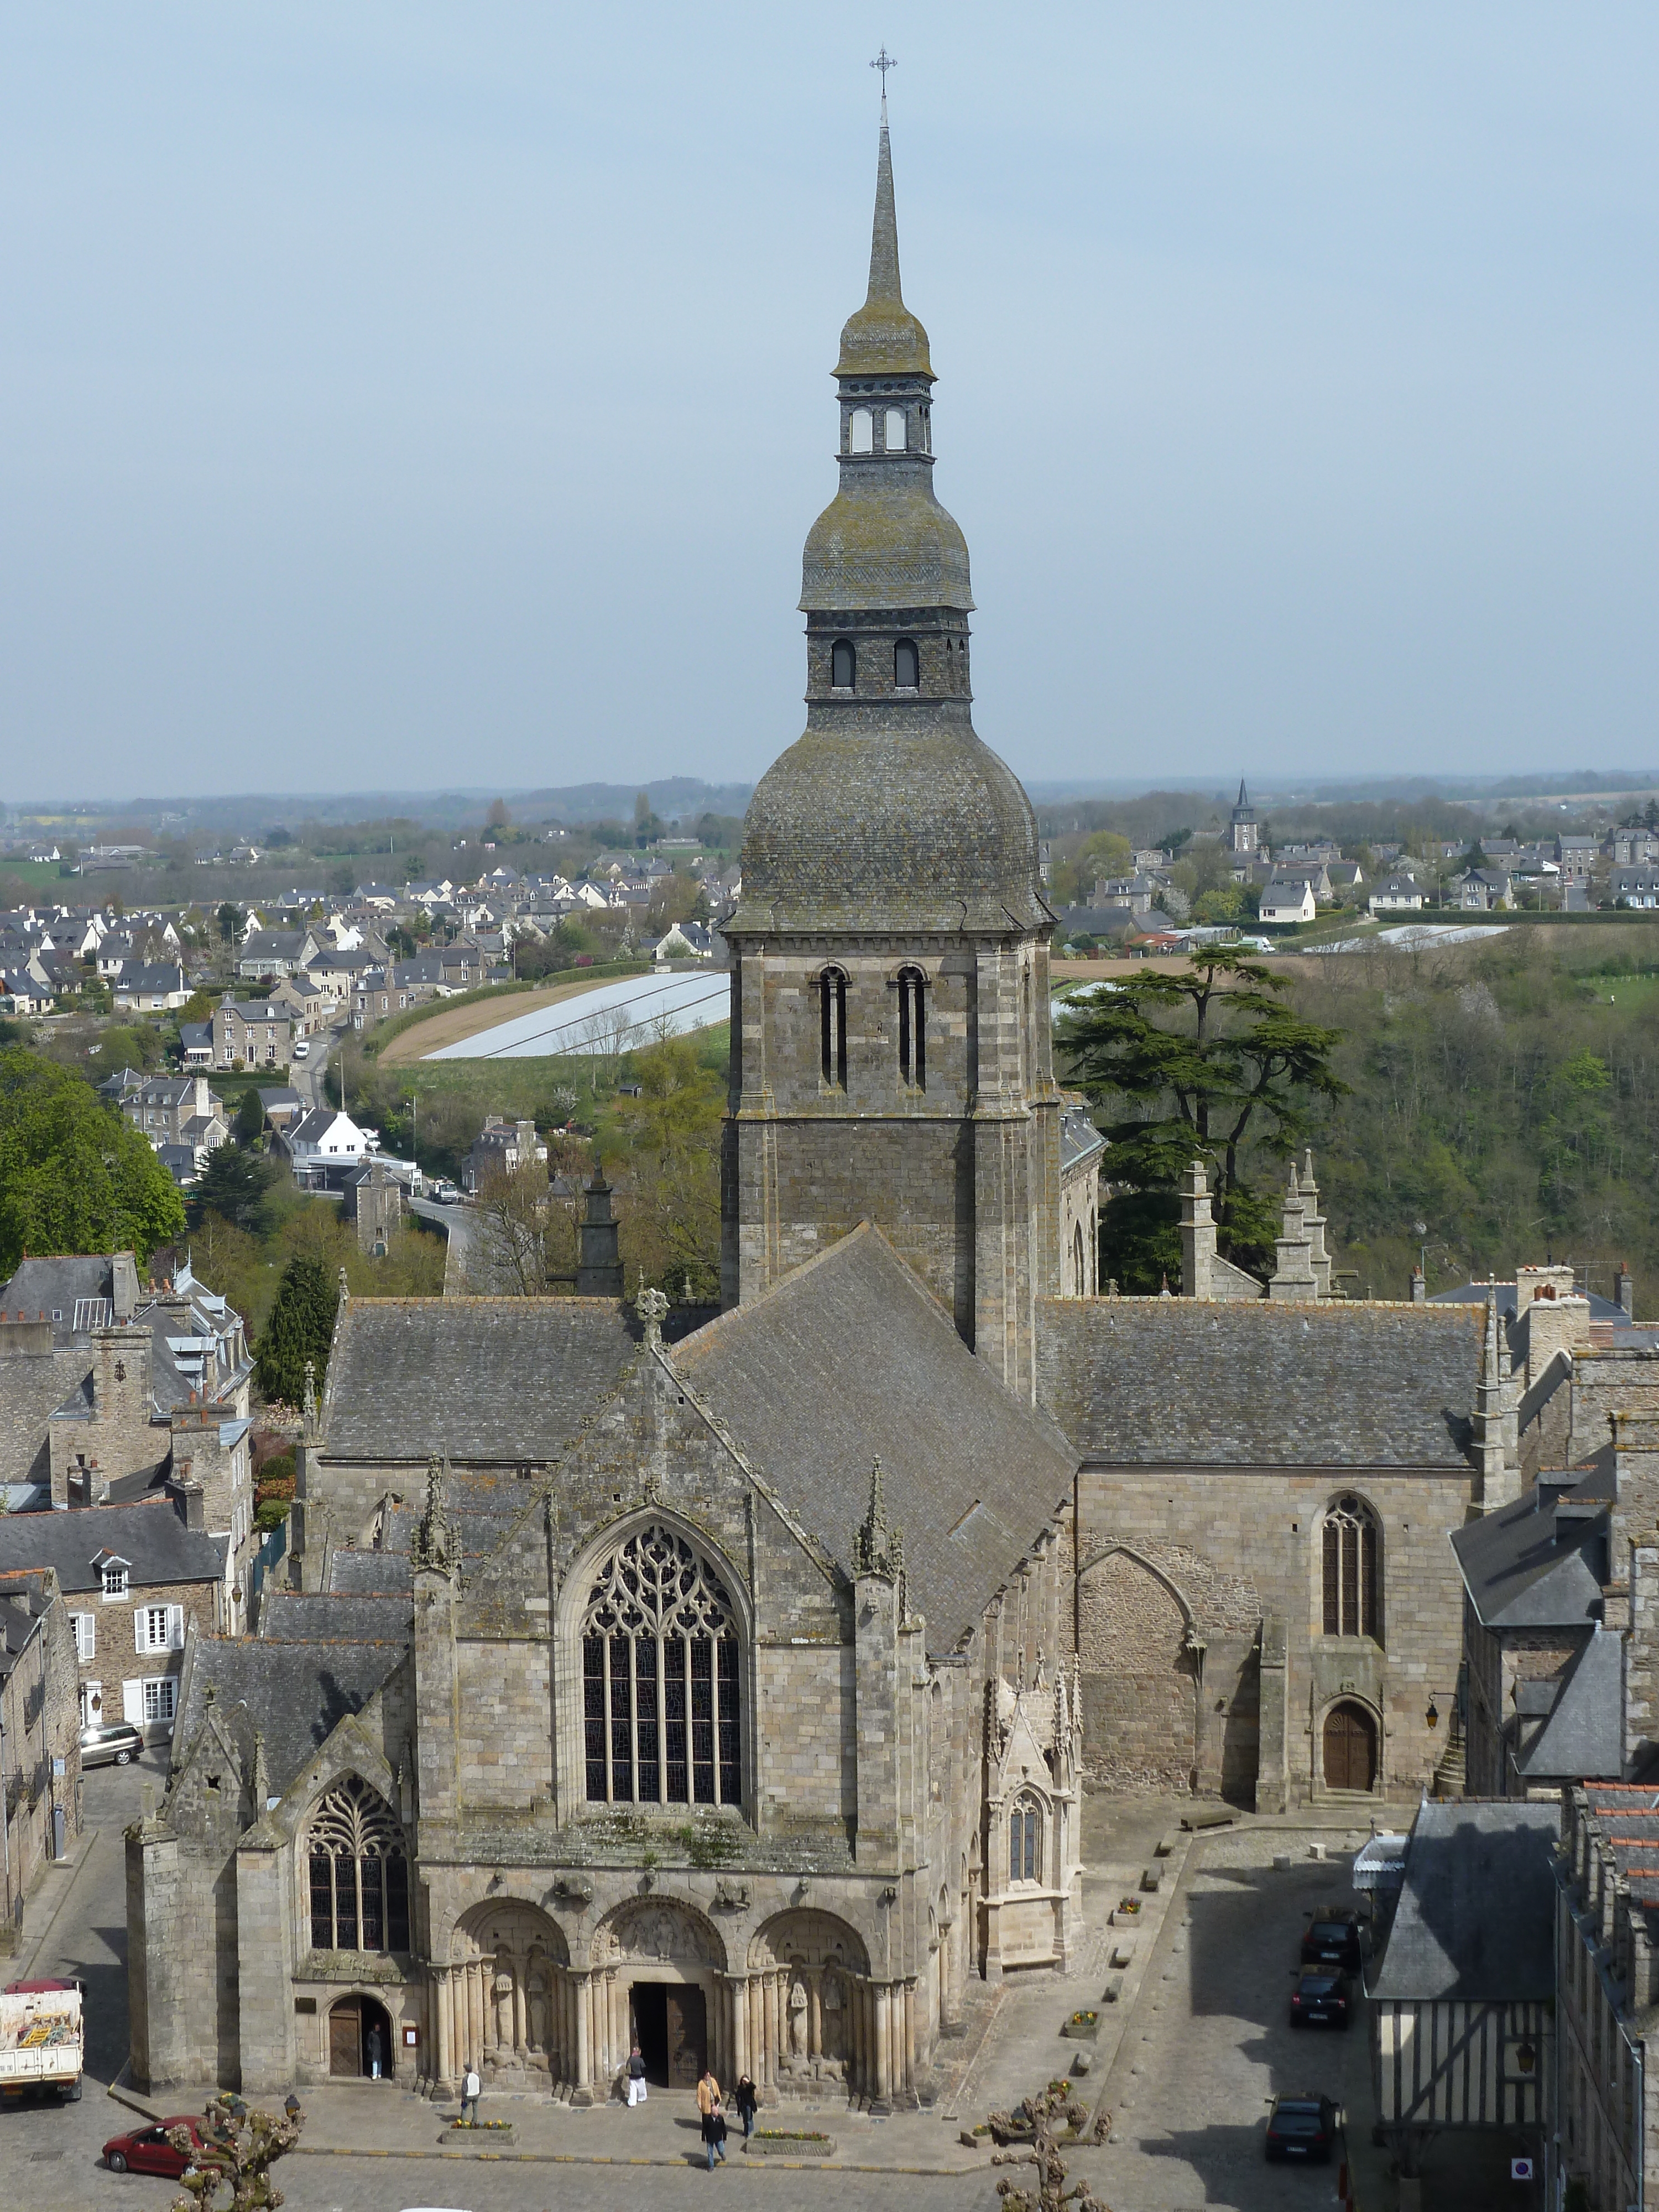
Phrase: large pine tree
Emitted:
{"points": [[301, 1327]]}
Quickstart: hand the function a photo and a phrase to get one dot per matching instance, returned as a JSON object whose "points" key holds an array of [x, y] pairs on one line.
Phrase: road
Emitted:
{"points": [[1211, 2040], [462, 1225]]}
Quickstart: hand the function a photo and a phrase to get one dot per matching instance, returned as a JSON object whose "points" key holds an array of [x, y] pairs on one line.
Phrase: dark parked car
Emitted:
{"points": [[1303, 2128], [119, 1745], [147, 2150], [1322, 1997], [1332, 1940]]}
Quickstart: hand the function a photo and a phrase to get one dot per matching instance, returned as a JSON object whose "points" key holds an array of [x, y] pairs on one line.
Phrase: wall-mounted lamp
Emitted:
{"points": [[1433, 1716]]}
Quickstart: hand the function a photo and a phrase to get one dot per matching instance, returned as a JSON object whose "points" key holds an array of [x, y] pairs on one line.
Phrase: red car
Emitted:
{"points": [[147, 2150]]}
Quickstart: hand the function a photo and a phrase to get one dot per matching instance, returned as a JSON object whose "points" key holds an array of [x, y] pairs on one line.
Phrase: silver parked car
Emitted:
{"points": [[118, 1745]]}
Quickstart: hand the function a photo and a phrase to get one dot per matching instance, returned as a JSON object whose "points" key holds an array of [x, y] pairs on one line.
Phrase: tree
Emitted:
{"points": [[240, 2147], [231, 921], [1211, 1061], [498, 816], [75, 1176], [672, 1214], [250, 1123], [236, 1185], [523, 1239], [301, 1328], [1038, 2121]]}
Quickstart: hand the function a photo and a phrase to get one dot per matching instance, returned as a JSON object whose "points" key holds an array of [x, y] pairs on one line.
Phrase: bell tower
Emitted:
{"points": [[890, 1035]]}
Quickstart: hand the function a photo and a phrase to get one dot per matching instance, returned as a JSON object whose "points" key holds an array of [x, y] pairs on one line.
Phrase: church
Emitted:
{"points": [[733, 1680]]}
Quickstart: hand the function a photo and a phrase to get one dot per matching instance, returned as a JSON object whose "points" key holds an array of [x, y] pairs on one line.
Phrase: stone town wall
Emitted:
{"points": [[1265, 1525]]}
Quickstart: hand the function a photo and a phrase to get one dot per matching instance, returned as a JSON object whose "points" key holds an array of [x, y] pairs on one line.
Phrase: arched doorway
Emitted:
{"points": [[1350, 1748], [810, 1980], [360, 2038], [505, 1994], [661, 1965]]}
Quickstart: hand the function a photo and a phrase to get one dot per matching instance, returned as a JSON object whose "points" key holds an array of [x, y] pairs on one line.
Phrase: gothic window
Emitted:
{"points": [[832, 1027], [1351, 1547], [861, 431], [1080, 1271], [662, 1723], [843, 665], [896, 429], [1025, 1841], [906, 664], [913, 1027], [359, 1874]]}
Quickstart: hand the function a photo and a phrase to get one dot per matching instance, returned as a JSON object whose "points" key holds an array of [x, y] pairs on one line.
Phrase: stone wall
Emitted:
{"points": [[1261, 1541]]}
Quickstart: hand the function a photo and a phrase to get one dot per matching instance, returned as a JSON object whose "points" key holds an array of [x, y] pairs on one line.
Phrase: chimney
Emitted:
{"points": [[190, 1498], [1625, 1292], [1197, 1232], [1530, 1281], [1419, 1288]]}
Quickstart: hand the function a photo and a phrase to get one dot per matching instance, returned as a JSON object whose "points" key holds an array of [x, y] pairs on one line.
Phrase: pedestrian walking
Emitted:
{"points": [[635, 2078], [713, 2117], [376, 2053], [747, 2098], [472, 2089]]}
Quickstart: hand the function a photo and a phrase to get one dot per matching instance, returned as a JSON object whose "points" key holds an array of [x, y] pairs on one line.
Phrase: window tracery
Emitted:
{"points": [[661, 1708], [1025, 1840], [359, 1875], [1351, 1547]]}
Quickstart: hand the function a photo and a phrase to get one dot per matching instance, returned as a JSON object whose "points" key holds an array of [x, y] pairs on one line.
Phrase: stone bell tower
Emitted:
{"points": [[890, 1044]]}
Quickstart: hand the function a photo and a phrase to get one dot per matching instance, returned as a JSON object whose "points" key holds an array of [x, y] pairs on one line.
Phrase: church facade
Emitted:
{"points": [[732, 1680]]}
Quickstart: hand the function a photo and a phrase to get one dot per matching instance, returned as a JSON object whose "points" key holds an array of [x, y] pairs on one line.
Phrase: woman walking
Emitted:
{"points": [[747, 2098], [635, 2078]]}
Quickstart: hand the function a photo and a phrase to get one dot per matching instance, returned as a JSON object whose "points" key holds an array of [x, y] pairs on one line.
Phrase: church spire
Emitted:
{"points": [[883, 338]]}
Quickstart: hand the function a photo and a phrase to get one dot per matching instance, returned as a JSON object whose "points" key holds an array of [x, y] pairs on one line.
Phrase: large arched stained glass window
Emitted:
{"points": [[661, 1713], [359, 1874]]}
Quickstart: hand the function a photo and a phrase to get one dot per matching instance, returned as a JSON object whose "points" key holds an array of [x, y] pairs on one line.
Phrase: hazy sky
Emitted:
{"points": [[420, 396]]}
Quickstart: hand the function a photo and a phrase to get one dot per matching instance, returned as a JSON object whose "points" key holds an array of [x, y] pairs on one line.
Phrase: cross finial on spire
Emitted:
{"points": [[883, 62]]}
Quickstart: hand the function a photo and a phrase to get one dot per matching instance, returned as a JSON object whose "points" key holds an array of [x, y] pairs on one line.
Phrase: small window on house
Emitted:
{"points": [[862, 432], [115, 1581], [896, 429], [1025, 1841], [832, 1026], [906, 664], [843, 665], [912, 1027]]}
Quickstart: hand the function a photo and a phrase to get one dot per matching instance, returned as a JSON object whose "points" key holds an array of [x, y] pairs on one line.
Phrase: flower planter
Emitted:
{"points": [[778, 2143], [477, 2134], [1082, 2026]]}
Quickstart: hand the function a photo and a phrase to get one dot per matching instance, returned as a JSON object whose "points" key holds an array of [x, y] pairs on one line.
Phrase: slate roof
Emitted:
{"points": [[504, 1379], [1476, 1917], [313, 1616], [55, 1286], [1584, 1735], [1184, 1381], [1534, 1565], [296, 1694], [152, 1539], [850, 1358], [368, 1572]]}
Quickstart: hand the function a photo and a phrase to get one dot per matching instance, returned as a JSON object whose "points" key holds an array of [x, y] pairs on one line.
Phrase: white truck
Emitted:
{"points": [[40, 2038]]}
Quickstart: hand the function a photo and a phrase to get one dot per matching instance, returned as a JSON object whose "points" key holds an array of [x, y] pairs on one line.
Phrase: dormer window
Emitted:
{"points": [[894, 430], [115, 1581], [862, 432], [843, 665], [906, 664]]}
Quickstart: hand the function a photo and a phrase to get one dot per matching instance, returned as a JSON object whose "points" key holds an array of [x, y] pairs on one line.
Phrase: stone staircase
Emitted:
{"points": [[1449, 1776]]}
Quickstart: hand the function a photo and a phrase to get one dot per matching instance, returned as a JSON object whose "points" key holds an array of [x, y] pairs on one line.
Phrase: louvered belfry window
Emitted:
{"points": [[1350, 1569], [359, 1874], [661, 1713]]}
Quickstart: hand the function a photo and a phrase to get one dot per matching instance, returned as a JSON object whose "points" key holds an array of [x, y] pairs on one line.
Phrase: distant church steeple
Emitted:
{"points": [[891, 1049], [1244, 835]]}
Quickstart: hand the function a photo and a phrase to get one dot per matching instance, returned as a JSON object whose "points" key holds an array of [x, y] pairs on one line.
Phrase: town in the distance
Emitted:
{"points": [[948, 1490]]}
